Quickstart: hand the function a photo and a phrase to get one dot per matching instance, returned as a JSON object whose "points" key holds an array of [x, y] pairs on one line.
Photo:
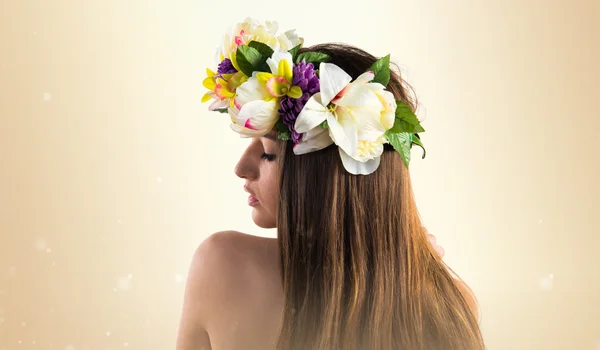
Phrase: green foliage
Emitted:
{"points": [[294, 52], [249, 59], [381, 69], [312, 57], [401, 143], [283, 133]]}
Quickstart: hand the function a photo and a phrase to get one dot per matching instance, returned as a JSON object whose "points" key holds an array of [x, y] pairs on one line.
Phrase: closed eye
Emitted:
{"points": [[268, 157]]}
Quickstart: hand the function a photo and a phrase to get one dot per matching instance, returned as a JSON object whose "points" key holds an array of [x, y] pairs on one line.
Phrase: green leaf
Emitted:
{"points": [[417, 141], [284, 136], [401, 143], [265, 50], [294, 51], [312, 57], [324, 124], [401, 125], [406, 120], [403, 111], [381, 69], [221, 110], [283, 133], [248, 59]]}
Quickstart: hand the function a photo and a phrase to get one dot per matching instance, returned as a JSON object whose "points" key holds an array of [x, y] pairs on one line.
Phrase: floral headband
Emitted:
{"points": [[263, 83]]}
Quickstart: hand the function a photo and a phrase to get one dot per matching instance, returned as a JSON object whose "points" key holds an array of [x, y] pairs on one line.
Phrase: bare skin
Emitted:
{"points": [[233, 298]]}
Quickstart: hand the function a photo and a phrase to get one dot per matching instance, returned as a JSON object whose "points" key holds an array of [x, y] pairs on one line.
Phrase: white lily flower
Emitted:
{"points": [[358, 114]]}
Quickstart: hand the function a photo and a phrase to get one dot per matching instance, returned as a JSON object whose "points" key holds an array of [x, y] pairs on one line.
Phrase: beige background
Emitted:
{"points": [[112, 171]]}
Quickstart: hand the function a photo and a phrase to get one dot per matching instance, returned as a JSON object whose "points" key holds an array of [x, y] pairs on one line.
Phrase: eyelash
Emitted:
{"points": [[268, 157]]}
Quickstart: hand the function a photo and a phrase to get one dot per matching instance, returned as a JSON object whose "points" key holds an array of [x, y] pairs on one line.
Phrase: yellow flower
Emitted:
{"points": [[279, 81], [222, 88]]}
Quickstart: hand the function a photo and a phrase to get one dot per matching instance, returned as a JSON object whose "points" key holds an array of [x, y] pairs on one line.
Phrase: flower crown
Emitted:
{"points": [[264, 83]]}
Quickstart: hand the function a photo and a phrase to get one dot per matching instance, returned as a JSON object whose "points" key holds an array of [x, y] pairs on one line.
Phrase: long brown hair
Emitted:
{"points": [[357, 269]]}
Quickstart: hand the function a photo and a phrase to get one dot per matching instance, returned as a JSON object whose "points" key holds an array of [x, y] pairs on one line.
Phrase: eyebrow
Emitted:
{"points": [[270, 137]]}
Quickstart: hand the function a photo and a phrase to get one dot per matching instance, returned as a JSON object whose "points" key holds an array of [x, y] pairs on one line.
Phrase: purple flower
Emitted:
{"points": [[226, 67], [306, 78]]}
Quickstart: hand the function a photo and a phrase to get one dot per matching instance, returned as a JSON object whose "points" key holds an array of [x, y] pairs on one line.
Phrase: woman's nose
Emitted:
{"points": [[244, 168]]}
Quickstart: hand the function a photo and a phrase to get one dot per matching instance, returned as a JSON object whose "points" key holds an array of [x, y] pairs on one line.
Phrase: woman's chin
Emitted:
{"points": [[262, 219]]}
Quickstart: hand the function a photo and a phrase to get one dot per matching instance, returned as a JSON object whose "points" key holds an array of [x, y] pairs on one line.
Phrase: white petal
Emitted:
{"points": [[366, 120], [218, 104], [359, 168], [284, 42], [359, 95], [343, 133], [389, 113], [277, 56], [259, 115], [293, 39], [314, 140], [364, 78], [249, 21], [272, 26], [313, 114], [245, 132], [333, 79], [234, 113], [218, 53], [238, 125], [251, 90]]}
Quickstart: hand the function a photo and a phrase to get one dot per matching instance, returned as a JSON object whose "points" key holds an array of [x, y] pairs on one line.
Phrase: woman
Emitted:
{"points": [[352, 266]]}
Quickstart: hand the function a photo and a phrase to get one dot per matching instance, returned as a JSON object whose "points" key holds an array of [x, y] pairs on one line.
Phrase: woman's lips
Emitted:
{"points": [[252, 201]]}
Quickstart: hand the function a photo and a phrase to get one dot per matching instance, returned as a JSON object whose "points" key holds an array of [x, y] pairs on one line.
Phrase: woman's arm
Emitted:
{"points": [[208, 286], [192, 333]]}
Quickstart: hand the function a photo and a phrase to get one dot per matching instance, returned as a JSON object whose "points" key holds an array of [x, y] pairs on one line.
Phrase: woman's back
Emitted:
{"points": [[234, 298], [233, 294]]}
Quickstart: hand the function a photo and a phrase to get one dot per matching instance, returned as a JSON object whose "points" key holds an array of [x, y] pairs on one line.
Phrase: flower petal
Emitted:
{"points": [[206, 97], [389, 112], [259, 115], [359, 95], [251, 90], [263, 77], [272, 26], [333, 79], [209, 83], [278, 86], [293, 39], [314, 140], [238, 125], [295, 92], [245, 132], [364, 78], [313, 114], [233, 58], [218, 104], [343, 132], [359, 168], [276, 58], [366, 120]]}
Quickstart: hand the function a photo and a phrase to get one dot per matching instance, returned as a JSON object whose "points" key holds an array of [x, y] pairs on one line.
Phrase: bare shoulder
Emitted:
{"points": [[228, 260], [226, 267], [227, 253]]}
